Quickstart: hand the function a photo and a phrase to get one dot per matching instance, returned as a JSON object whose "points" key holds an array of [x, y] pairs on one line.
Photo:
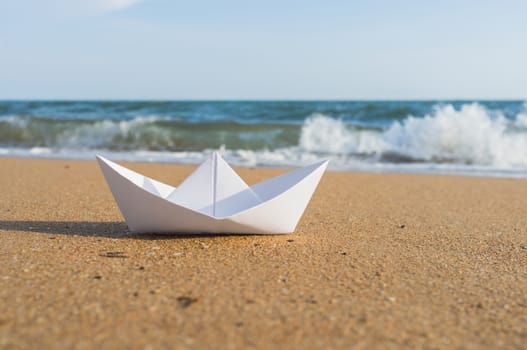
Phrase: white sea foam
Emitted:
{"points": [[82, 134], [101, 133], [521, 120], [322, 134], [14, 120], [469, 135]]}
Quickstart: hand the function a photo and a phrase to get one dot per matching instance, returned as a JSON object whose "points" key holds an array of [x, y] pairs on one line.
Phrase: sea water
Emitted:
{"points": [[465, 137]]}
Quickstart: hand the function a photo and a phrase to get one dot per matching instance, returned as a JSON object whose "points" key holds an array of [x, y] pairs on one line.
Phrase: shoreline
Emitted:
{"points": [[198, 157], [377, 260]]}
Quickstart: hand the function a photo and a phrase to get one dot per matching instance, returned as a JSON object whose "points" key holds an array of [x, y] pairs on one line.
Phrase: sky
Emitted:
{"points": [[273, 49]]}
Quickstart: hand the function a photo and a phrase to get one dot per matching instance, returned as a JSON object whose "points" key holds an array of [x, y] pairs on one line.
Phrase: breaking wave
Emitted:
{"points": [[469, 135], [141, 133]]}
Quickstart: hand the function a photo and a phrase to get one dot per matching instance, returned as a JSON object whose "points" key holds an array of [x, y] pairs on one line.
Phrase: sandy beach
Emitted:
{"points": [[377, 261]]}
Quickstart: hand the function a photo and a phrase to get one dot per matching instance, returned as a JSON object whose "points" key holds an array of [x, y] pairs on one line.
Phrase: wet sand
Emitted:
{"points": [[377, 261]]}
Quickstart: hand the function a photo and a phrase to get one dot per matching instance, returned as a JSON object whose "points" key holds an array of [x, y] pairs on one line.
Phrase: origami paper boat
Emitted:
{"points": [[213, 199]]}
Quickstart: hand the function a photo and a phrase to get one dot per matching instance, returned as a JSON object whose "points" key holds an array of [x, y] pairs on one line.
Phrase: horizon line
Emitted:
{"points": [[460, 99]]}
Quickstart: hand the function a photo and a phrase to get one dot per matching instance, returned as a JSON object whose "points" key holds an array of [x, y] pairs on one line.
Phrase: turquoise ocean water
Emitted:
{"points": [[469, 137]]}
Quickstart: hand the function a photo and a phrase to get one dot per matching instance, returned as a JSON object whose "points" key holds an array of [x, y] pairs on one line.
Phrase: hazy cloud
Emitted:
{"points": [[68, 8], [116, 5]]}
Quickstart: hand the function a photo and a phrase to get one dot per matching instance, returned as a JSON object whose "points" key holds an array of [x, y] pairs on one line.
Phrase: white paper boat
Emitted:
{"points": [[213, 199]]}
